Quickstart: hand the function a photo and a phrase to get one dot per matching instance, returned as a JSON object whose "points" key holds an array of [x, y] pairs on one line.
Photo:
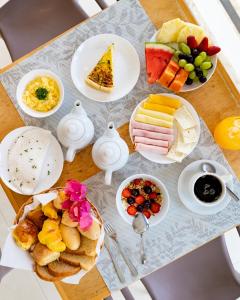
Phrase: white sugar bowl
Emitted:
{"points": [[75, 131], [110, 152]]}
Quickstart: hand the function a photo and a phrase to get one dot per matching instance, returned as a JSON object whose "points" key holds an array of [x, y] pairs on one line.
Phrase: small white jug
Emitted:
{"points": [[110, 152], [75, 131]]}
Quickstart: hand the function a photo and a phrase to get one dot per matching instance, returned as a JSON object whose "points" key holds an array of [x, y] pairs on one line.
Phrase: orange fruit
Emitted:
{"points": [[227, 133]]}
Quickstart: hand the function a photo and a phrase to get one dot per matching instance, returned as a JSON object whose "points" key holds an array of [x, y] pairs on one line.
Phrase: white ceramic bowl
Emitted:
{"points": [[22, 85], [154, 220]]}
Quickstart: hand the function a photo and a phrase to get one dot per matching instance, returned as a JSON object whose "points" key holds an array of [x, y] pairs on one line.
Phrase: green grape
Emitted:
{"points": [[205, 72], [195, 79], [182, 63], [198, 60], [189, 67], [206, 65], [203, 54], [192, 75], [208, 58], [184, 48], [176, 53]]}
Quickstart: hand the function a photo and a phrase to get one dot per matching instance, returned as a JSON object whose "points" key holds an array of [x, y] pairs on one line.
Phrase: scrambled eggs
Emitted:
{"points": [[42, 94]]}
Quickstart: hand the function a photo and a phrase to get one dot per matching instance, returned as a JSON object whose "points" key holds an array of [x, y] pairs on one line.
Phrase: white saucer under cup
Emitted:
{"points": [[185, 195], [126, 66]]}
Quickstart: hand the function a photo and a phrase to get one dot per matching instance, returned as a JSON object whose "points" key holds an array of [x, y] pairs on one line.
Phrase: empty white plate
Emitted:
{"points": [[125, 62]]}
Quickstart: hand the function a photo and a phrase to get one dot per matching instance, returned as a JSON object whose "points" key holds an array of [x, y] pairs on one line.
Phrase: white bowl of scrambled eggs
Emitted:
{"points": [[40, 93]]}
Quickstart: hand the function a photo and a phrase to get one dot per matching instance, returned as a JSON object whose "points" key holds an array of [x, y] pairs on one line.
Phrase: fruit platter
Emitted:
{"points": [[144, 194], [57, 238], [164, 128], [180, 56]]}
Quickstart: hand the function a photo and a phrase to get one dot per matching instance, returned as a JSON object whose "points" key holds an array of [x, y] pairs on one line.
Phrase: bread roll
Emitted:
{"points": [[87, 247], [66, 220], [93, 232], [43, 256], [37, 217], [25, 234], [61, 197], [70, 236]]}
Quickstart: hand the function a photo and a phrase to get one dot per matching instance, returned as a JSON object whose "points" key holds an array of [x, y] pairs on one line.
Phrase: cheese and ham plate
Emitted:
{"points": [[164, 128]]}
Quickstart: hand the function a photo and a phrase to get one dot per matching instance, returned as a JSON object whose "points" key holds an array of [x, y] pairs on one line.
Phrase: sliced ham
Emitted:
{"points": [[152, 135], [151, 148], [138, 125], [147, 141]]}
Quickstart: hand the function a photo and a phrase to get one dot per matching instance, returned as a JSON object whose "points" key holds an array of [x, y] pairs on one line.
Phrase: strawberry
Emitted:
{"points": [[192, 42], [152, 195], [137, 181], [139, 199], [147, 213], [213, 50], [155, 207], [126, 193], [148, 183], [203, 46], [131, 210]]}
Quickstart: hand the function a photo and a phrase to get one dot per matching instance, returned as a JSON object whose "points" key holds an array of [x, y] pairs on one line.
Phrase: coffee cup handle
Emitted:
{"points": [[226, 178]]}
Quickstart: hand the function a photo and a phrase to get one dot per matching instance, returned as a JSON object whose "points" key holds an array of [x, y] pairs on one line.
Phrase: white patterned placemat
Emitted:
{"points": [[181, 231]]}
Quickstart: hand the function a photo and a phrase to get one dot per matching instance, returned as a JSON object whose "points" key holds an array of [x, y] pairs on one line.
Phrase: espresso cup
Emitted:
{"points": [[222, 181]]}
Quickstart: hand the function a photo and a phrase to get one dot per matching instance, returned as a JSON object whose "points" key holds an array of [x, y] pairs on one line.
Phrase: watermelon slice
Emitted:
{"points": [[157, 58]]}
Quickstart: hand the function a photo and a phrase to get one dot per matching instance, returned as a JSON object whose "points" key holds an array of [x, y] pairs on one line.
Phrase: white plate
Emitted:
{"points": [[53, 162], [159, 158], [195, 85], [126, 66], [22, 85], [154, 220], [183, 189]]}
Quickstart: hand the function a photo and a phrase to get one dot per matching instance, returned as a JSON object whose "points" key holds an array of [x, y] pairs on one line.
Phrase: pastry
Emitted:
{"points": [[43, 256], [66, 220], [50, 211], [37, 217], [101, 77], [25, 234], [70, 236], [93, 232], [61, 197], [60, 268]]}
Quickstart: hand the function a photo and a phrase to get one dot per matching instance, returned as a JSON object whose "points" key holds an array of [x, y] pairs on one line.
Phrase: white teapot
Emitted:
{"points": [[110, 152], [75, 131]]}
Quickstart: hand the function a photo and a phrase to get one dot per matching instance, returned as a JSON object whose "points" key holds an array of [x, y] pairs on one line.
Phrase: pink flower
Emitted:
{"points": [[75, 190]]}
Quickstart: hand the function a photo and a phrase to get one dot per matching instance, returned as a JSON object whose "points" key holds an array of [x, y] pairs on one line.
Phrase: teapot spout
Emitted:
{"points": [[111, 130], [78, 109]]}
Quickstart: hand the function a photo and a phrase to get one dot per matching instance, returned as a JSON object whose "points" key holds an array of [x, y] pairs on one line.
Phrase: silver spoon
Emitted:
{"points": [[209, 168], [140, 225]]}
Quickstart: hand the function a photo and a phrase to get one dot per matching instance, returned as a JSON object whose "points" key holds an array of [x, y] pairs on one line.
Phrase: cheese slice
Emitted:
{"points": [[189, 135], [182, 147], [184, 118], [161, 108], [26, 158], [164, 100], [152, 121], [175, 155], [101, 77], [155, 114]]}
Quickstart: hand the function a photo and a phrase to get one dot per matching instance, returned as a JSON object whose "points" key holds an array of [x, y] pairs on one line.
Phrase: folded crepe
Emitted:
{"points": [[26, 159]]}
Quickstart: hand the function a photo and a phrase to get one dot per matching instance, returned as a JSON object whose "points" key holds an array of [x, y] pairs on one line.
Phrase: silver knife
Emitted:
{"points": [[114, 260]]}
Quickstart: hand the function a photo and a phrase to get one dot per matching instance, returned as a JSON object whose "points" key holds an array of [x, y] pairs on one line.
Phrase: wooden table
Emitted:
{"points": [[214, 101]]}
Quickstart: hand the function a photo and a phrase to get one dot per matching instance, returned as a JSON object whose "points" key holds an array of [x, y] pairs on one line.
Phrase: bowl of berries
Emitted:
{"points": [[180, 56], [141, 193]]}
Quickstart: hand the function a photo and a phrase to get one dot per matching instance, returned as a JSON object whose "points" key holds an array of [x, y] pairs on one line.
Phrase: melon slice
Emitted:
{"points": [[169, 31], [179, 80], [169, 73], [157, 57], [191, 29]]}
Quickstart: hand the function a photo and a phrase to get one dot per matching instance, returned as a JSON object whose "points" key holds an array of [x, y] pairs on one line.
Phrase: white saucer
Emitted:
{"points": [[52, 164], [183, 190], [159, 158], [126, 66]]}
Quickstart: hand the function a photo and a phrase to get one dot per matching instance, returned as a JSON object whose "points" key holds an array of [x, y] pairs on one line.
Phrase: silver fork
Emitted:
{"points": [[113, 235]]}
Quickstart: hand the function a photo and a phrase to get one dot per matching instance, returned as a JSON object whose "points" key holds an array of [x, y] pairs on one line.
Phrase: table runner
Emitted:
{"points": [[182, 231]]}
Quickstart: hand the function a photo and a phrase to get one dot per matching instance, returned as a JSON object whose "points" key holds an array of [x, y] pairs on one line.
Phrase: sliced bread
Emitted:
{"points": [[60, 268], [87, 247], [44, 274], [84, 261]]}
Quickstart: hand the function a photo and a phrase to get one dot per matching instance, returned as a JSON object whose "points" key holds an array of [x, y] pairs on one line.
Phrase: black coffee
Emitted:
{"points": [[208, 188]]}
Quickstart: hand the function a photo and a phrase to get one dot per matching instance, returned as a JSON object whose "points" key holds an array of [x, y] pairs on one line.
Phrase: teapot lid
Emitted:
{"points": [[110, 151]]}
